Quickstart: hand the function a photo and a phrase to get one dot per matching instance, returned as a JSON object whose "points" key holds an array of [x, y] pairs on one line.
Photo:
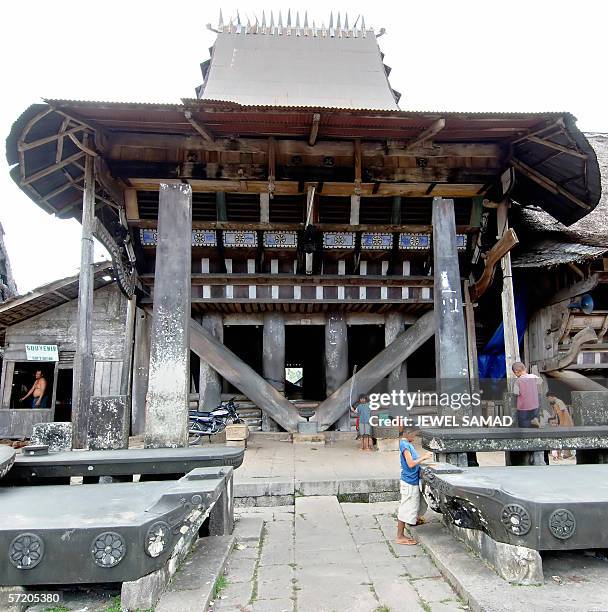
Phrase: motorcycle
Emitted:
{"points": [[208, 423]]}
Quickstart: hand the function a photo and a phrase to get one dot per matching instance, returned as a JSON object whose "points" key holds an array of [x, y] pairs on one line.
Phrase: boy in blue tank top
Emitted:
{"points": [[412, 505]]}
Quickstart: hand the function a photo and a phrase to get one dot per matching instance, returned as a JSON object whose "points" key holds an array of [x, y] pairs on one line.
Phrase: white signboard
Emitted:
{"points": [[41, 352]]}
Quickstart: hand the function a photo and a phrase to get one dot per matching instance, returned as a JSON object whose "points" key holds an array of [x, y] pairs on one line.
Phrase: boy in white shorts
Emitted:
{"points": [[412, 505]]}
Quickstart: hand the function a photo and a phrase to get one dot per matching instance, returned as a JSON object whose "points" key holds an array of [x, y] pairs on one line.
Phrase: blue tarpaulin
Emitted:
{"points": [[492, 359]]}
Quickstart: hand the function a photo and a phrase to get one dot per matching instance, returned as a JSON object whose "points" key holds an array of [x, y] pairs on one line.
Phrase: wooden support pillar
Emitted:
{"points": [[141, 366], [167, 401], [264, 207], [450, 339], [220, 206], [394, 327], [84, 365], [210, 382], [337, 404], [126, 375], [355, 204], [336, 360], [273, 359], [471, 338], [507, 296], [396, 211]]}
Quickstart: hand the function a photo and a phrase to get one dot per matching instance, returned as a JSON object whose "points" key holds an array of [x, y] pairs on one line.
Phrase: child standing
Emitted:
{"points": [[365, 429], [412, 505]]}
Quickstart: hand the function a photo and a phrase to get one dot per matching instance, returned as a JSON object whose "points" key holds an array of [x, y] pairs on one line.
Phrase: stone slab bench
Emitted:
{"points": [[7, 459], [108, 533], [508, 514], [524, 446], [153, 463]]}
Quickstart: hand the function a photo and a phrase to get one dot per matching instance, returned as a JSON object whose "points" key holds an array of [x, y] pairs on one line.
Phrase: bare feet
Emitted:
{"points": [[406, 541]]}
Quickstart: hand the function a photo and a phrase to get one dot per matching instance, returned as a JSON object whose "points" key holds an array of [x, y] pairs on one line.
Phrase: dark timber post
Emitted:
{"points": [[82, 387], [273, 359], [141, 368], [336, 361], [169, 380], [450, 338], [394, 327], [210, 382]]}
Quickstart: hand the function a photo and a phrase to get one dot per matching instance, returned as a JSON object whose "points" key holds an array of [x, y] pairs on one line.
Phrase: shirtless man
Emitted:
{"points": [[37, 391]]}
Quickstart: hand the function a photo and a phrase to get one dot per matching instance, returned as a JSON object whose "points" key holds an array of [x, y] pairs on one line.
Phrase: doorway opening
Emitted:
{"points": [[245, 341], [24, 377], [63, 395], [304, 350], [364, 343]]}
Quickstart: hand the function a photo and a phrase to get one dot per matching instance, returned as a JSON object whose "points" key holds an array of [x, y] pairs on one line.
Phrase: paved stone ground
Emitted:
{"points": [[323, 556]]}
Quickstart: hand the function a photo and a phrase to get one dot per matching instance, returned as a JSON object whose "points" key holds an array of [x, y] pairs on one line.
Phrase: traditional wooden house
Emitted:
{"points": [[292, 222]]}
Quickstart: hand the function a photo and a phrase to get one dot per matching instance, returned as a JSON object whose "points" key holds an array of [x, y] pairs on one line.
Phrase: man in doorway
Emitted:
{"points": [[526, 387], [38, 391]]}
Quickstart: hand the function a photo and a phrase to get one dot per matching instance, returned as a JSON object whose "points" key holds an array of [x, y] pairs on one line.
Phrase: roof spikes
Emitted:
{"points": [[339, 27]]}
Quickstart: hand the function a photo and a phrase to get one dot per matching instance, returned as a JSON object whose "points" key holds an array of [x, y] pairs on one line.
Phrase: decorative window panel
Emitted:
{"points": [[204, 238], [148, 237], [414, 242], [234, 238], [339, 240], [280, 240], [461, 242], [376, 241]]}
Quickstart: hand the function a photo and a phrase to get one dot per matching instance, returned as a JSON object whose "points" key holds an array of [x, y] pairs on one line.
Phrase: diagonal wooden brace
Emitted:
{"points": [[331, 409], [243, 377]]}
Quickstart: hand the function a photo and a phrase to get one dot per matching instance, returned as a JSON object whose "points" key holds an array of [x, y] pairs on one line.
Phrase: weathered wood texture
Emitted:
{"points": [[452, 368], [331, 409], [242, 376], [210, 382], [83, 359], [58, 326], [167, 401], [336, 360]]}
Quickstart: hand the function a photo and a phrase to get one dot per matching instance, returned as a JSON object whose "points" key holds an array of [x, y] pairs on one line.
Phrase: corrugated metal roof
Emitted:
{"points": [[306, 71]]}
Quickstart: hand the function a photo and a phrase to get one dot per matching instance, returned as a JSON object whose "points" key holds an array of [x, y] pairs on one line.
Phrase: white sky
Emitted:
{"points": [[532, 55]]}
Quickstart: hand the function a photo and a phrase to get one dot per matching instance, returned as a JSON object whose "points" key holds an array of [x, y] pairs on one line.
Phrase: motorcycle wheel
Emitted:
{"points": [[195, 433]]}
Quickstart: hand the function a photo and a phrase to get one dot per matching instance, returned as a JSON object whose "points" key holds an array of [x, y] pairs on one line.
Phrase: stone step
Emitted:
{"points": [[192, 588]]}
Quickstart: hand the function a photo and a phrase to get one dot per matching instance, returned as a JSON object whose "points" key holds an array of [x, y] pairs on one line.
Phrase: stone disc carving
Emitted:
{"points": [[26, 551], [109, 549], [158, 539], [516, 519], [562, 524]]}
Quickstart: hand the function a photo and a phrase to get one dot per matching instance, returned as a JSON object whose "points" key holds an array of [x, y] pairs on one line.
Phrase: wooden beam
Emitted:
{"points": [[547, 183], [558, 363], [557, 147], [26, 146], [497, 252], [50, 169], [198, 127], [131, 204], [314, 129], [427, 134], [509, 319], [412, 190], [84, 148], [358, 161]]}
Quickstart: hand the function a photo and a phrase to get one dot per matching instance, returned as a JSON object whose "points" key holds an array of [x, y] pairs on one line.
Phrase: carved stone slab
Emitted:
{"points": [[541, 508], [122, 462], [102, 533]]}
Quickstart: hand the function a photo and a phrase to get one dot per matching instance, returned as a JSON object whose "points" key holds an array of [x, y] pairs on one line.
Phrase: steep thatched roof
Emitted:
{"points": [[590, 230]]}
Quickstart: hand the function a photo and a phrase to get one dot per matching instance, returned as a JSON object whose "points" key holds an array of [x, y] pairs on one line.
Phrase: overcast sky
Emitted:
{"points": [[532, 55]]}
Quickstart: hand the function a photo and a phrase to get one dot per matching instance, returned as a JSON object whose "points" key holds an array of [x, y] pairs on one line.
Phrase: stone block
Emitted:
{"points": [[516, 564], [387, 444], [108, 423], [238, 443], [308, 427], [383, 496], [590, 407], [57, 436], [314, 439], [237, 432]]}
